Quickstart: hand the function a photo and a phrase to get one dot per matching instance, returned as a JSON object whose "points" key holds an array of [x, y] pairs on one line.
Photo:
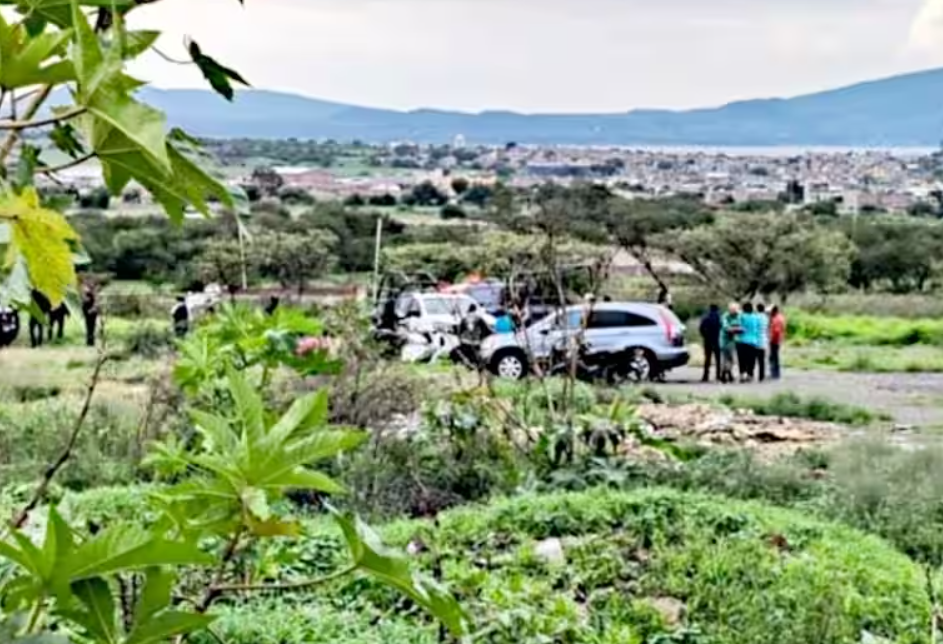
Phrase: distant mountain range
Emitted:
{"points": [[903, 110]]}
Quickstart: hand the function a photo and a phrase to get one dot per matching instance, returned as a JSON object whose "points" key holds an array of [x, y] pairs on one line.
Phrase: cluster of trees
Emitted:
{"points": [[324, 154], [736, 253]]}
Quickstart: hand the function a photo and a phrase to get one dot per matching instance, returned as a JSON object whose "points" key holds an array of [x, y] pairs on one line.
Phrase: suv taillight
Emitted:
{"points": [[670, 332]]}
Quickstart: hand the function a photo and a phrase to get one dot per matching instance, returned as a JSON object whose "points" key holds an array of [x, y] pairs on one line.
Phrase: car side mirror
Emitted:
{"points": [[545, 332], [413, 314]]}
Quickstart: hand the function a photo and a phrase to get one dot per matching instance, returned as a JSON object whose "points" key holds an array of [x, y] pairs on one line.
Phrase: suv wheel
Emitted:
{"points": [[641, 365], [510, 364]]}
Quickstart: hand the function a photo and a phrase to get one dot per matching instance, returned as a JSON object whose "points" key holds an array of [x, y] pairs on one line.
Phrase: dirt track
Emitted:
{"points": [[911, 399]]}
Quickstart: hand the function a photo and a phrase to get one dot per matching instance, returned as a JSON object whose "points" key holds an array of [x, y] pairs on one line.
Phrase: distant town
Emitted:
{"points": [[846, 182]]}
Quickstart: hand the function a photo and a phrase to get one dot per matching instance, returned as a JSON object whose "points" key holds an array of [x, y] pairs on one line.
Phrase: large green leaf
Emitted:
{"points": [[59, 13], [185, 185], [98, 618], [217, 431], [373, 558], [87, 57], [219, 76], [44, 240], [166, 626], [36, 62], [128, 547], [138, 42], [249, 407], [143, 125], [308, 411], [58, 545], [156, 595], [304, 479], [256, 502]]}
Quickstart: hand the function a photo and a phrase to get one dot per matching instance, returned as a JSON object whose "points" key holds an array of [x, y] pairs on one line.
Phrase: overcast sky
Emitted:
{"points": [[549, 55]]}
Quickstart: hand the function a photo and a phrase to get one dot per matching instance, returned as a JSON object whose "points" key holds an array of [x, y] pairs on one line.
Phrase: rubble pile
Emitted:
{"points": [[714, 426]]}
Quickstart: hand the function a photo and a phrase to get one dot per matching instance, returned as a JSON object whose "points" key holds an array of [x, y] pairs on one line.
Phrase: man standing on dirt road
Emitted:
{"points": [[777, 333], [711, 325]]}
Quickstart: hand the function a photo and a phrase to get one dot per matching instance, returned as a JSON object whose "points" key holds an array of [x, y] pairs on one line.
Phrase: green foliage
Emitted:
{"points": [[791, 405], [864, 330], [245, 337], [35, 434], [148, 340], [745, 255], [740, 571], [493, 253], [293, 260]]}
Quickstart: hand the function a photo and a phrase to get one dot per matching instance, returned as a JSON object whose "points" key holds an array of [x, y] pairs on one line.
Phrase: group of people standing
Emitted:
{"points": [[740, 341], [46, 322]]}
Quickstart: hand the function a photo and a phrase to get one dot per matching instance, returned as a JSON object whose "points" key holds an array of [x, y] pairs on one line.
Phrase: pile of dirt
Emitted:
{"points": [[713, 426]]}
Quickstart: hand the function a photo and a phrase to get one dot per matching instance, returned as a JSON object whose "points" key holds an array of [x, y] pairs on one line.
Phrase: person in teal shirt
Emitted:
{"points": [[503, 322], [750, 342], [762, 350], [731, 328]]}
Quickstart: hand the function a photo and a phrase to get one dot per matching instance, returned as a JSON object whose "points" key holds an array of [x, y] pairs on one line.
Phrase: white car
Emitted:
{"points": [[434, 312], [618, 328]]}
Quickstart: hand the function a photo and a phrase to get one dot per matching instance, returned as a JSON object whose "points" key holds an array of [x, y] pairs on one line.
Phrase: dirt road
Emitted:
{"points": [[911, 399]]}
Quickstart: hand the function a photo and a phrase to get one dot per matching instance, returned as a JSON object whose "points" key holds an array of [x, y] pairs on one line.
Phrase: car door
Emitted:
{"points": [[557, 332], [614, 331]]}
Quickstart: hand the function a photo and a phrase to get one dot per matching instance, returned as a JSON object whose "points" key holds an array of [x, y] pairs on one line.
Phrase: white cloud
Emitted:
{"points": [[926, 32], [549, 55]]}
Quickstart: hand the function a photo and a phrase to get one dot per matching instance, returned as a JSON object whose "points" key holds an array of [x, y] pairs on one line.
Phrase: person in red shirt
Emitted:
{"points": [[777, 333]]}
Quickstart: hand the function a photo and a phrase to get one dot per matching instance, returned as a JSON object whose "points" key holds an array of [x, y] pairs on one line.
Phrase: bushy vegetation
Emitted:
{"points": [[790, 405], [35, 433], [864, 330], [644, 566]]}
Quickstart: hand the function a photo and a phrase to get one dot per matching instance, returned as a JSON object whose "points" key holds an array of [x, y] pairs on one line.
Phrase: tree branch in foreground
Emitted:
{"points": [[40, 492], [30, 124], [67, 165]]}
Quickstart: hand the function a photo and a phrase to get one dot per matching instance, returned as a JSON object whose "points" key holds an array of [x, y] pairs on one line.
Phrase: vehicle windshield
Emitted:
{"points": [[447, 305]]}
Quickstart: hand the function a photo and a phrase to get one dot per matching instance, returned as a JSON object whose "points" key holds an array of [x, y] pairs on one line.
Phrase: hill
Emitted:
{"points": [[903, 110]]}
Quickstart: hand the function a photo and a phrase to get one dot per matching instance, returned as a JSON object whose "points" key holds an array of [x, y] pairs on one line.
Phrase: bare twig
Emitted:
{"points": [[171, 59], [213, 592], [39, 493], [28, 123], [67, 165], [35, 103]]}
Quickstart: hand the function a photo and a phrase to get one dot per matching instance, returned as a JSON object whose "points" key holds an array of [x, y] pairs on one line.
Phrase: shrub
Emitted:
{"points": [[870, 485], [865, 330], [737, 571], [34, 434], [791, 405], [148, 340]]}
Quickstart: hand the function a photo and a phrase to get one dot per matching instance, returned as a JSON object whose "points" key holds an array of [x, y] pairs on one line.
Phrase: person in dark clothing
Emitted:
{"points": [[472, 330], [711, 325], [9, 325], [389, 318], [181, 317], [90, 315], [272, 305], [44, 306], [57, 322]]}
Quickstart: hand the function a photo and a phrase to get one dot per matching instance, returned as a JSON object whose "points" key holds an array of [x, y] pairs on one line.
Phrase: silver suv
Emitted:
{"points": [[611, 327]]}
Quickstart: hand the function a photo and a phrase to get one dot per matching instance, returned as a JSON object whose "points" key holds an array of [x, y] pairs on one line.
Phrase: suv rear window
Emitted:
{"points": [[618, 320]]}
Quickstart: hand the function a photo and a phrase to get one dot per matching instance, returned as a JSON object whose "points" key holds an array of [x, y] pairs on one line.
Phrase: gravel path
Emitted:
{"points": [[911, 399]]}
